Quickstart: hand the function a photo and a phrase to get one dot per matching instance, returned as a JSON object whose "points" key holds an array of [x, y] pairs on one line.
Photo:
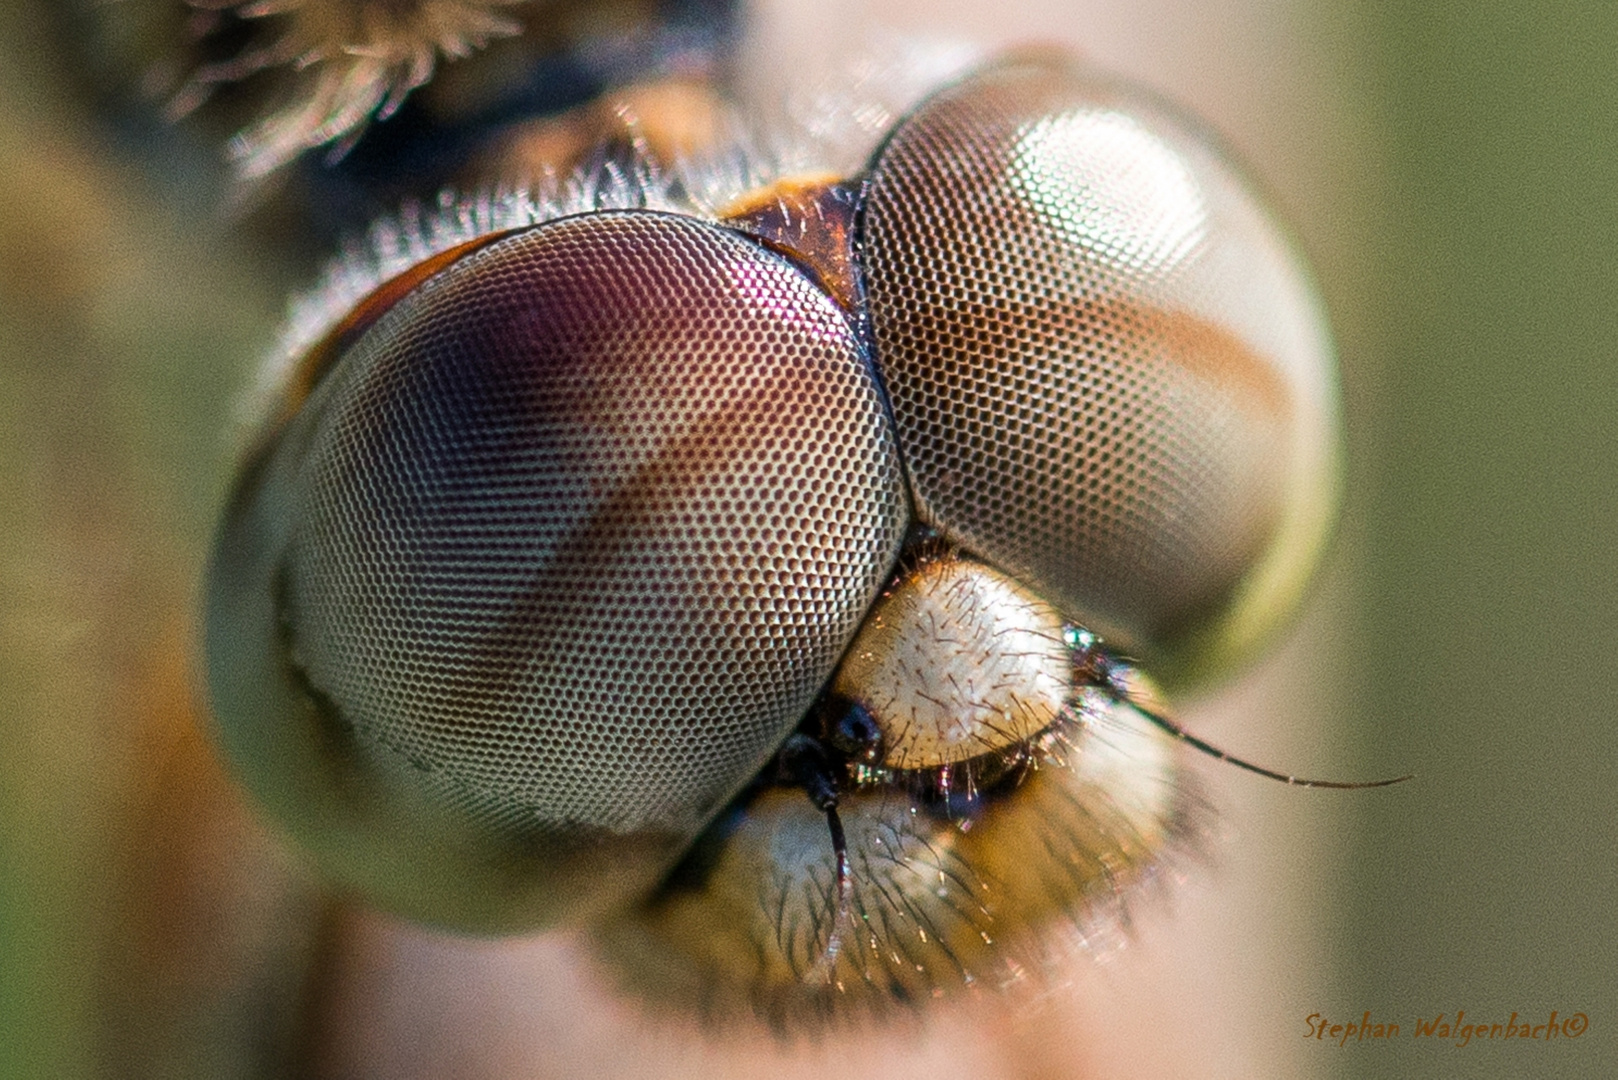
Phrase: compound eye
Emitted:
{"points": [[1108, 372], [550, 563]]}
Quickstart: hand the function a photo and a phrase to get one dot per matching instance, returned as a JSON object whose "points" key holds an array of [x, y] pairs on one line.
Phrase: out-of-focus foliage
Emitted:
{"points": [[124, 327], [1491, 582]]}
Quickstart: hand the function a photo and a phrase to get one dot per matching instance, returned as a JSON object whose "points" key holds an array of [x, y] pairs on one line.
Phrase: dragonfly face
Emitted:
{"points": [[746, 571]]}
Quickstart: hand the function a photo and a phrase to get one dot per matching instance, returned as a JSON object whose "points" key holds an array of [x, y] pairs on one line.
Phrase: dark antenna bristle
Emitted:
{"points": [[805, 763], [834, 938], [1101, 669], [1213, 751]]}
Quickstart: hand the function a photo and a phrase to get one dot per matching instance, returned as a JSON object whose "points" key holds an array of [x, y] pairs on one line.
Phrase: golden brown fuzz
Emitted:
{"points": [[352, 60]]}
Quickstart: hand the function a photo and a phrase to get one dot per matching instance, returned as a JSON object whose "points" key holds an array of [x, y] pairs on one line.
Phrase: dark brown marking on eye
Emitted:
{"points": [[650, 496], [1136, 456], [1211, 352], [319, 360]]}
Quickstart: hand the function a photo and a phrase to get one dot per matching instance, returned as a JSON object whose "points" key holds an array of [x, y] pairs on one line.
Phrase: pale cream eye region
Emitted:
{"points": [[956, 661]]}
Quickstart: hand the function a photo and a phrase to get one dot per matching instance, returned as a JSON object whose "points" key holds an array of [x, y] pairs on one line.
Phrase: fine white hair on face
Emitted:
{"points": [[396, 243], [819, 119]]}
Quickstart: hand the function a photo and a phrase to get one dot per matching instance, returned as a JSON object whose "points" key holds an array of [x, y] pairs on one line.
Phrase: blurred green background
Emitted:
{"points": [[1472, 264], [1491, 511]]}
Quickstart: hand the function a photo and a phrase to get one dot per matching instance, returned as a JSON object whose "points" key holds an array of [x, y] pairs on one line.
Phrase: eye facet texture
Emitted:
{"points": [[583, 524], [1107, 371], [511, 616]]}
